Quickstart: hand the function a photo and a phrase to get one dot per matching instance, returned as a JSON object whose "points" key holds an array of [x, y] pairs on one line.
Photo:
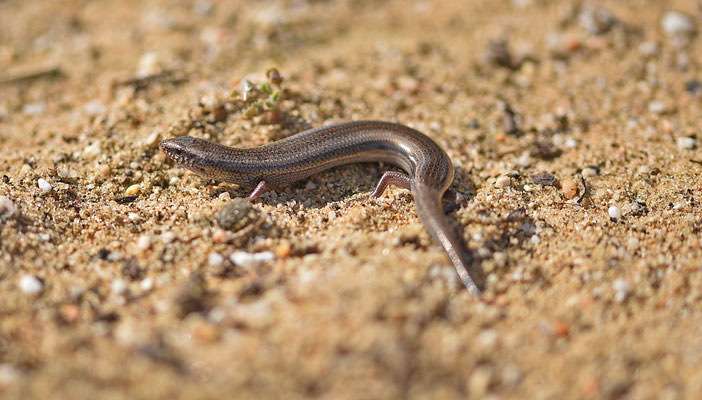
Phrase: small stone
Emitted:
{"points": [[283, 249], [104, 170], [614, 212], [93, 150], [544, 179], [633, 243], [206, 332], [69, 313], [149, 64], [225, 196], [132, 190], [146, 284], [144, 242], [589, 172], [644, 169], [524, 160], [215, 259], [622, 289], [677, 24], [236, 215], [43, 185], [569, 188], [657, 107], [36, 108], [596, 21], [693, 87], [686, 143], [503, 181], [648, 49], [118, 287], [168, 236], [219, 235], [8, 374], [152, 140], [63, 172], [251, 260], [94, 107], [8, 209], [30, 285], [331, 215], [534, 239]]}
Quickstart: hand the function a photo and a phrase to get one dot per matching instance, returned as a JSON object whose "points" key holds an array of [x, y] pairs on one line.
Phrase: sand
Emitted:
{"points": [[573, 127]]}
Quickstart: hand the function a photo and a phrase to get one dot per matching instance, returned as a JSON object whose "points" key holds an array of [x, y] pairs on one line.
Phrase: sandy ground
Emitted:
{"points": [[573, 127]]}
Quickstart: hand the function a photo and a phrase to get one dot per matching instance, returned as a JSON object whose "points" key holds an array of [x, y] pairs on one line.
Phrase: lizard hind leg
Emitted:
{"points": [[396, 178]]}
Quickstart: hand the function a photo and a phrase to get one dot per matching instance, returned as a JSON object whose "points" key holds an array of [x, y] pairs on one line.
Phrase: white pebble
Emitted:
{"points": [[614, 212], [331, 215], [215, 259], [43, 185], [147, 284], [7, 207], [589, 172], [686, 143], [151, 140], [93, 150], [571, 143], [622, 289], [648, 48], [173, 181], [94, 108], [633, 243], [657, 107], [30, 285], [133, 216], [8, 374], [524, 160], [503, 181], [168, 236], [118, 287], [144, 242], [677, 24], [644, 169], [37, 108], [250, 260], [225, 196], [535, 239], [63, 172]]}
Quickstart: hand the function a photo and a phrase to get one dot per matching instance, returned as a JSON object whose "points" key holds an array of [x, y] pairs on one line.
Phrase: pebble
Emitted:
{"points": [[569, 188], [524, 160], [144, 242], [633, 243], [36, 108], [146, 284], [677, 24], [644, 169], [43, 185], [8, 209], [132, 190], [614, 212], [104, 170], [149, 64], [118, 287], [8, 374], [589, 172], [503, 181], [168, 236], [30, 285], [93, 150], [215, 259], [686, 143], [225, 196], [236, 215], [535, 239], [152, 140], [622, 289], [283, 249], [657, 107], [94, 107], [251, 260]]}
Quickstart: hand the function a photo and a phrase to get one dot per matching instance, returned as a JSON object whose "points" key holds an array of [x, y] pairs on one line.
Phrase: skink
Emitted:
{"points": [[429, 171]]}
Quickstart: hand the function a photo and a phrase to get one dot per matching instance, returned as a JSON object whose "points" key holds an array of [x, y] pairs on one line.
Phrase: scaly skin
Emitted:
{"points": [[428, 167]]}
